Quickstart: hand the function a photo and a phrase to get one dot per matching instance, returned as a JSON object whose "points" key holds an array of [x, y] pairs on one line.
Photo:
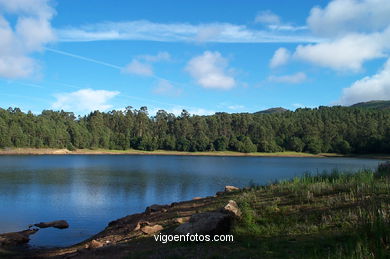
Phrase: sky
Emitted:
{"points": [[203, 56]]}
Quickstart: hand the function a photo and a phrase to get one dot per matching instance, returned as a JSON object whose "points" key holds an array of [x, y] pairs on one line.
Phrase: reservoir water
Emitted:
{"points": [[89, 191]]}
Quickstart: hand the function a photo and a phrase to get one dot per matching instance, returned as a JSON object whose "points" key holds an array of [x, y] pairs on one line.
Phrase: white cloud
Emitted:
{"points": [[345, 16], [286, 27], [280, 57], [267, 17], [357, 31], [274, 22], [84, 100], [138, 68], [32, 31], [376, 87], [176, 32], [164, 87], [209, 71], [346, 53], [298, 105], [289, 79], [236, 107], [160, 56]]}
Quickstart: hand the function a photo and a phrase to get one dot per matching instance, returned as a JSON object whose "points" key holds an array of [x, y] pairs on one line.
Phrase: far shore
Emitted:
{"points": [[50, 151]]}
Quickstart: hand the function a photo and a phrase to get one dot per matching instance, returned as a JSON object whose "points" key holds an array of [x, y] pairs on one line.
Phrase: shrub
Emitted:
{"points": [[383, 169]]}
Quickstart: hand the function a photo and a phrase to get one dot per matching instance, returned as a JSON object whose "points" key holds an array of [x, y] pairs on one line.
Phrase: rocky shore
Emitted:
{"points": [[210, 215]]}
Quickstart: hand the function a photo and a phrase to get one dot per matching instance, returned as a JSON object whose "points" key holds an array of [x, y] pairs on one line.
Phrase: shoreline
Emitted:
{"points": [[50, 151]]}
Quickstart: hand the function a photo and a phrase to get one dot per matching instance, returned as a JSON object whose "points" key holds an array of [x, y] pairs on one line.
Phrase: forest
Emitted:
{"points": [[324, 129]]}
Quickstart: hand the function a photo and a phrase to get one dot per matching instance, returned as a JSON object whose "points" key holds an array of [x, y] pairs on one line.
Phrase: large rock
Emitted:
{"points": [[232, 209], [151, 229], [16, 238], [230, 188], [93, 244], [61, 224], [206, 223]]}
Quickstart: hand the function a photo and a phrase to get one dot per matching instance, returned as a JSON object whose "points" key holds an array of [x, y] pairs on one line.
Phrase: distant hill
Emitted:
{"points": [[272, 110], [381, 105]]}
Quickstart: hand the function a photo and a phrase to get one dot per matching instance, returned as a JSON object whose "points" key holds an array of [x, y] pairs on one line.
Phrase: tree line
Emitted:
{"points": [[325, 129]]}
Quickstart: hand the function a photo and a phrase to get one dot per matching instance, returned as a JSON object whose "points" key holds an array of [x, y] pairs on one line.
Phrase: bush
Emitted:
{"points": [[383, 169], [70, 147]]}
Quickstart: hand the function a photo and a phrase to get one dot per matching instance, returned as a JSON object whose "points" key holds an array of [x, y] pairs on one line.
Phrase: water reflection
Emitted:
{"points": [[89, 191]]}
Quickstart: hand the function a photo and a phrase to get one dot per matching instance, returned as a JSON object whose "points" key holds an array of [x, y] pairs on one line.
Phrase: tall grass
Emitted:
{"points": [[331, 215]]}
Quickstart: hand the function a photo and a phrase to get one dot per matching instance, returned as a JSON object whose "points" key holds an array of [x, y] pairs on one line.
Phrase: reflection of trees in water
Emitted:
{"points": [[15, 183]]}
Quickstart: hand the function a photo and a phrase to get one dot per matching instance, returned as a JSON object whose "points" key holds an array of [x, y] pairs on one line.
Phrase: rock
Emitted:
{"points": [[232, 209], [229, 188], [17, 238], [197, 198], [61, 224], [206, 223], [219, 193], [182, 220], [93, 244], [173, 204], [151, 229], [155, 208], [140, 224]]}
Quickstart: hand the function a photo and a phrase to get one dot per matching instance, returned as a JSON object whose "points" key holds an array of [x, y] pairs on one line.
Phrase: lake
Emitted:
{"points": [[89, 191]]}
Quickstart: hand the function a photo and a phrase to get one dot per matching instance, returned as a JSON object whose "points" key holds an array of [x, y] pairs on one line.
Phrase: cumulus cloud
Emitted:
{"points": [[280, 57], [84, 100], [138, 68], [346, 53], [376, 87], [356, 32], [164, 87], [345, 16], [32, 31], [289, 79], [210, 71]]}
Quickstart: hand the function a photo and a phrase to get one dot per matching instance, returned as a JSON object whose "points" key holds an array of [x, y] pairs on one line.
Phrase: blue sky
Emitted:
{"points": [[203, 56]]}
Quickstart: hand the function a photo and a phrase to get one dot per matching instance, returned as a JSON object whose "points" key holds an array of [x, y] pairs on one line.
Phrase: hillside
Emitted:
{"points": [[272, 110], [381, 105]]}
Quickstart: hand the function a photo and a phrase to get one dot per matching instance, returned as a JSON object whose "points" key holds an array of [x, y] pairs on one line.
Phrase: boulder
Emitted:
{"points": [[229, 188], [151, 229], [206, 223], [16, 238], [60, 224], [93, 244], [232, 209]]}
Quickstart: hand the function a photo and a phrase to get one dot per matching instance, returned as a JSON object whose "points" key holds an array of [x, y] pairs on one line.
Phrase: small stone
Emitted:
{"points": [[219, 193], [230, 188], [197, 198]]}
